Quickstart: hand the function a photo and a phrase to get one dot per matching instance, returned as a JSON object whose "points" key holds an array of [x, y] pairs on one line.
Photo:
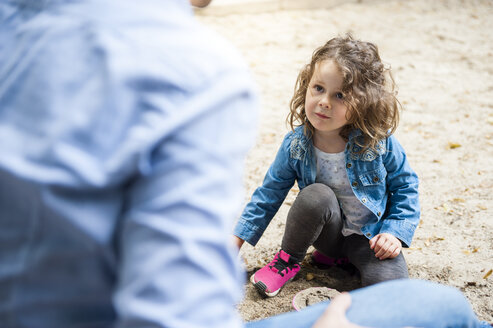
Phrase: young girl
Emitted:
{"points": [[358, 197]]}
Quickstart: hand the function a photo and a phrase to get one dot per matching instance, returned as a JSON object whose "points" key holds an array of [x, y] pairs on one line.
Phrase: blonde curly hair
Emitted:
{"points": [[368, 87]]}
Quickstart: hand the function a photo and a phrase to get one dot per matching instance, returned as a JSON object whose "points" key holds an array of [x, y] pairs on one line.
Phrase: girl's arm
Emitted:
{"points": [[267, 198], [403, 211]]}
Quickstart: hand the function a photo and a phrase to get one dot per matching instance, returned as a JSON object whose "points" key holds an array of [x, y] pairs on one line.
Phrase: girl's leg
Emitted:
{"points": [[373, 270], [392, 304], [315, 213], [314, 209]]}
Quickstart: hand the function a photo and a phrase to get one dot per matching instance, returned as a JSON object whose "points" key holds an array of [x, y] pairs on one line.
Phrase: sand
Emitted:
{"points": [[441, 53]]}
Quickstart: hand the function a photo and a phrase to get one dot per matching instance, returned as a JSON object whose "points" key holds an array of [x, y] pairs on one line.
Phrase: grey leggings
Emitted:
{"points": [[316, 219]]}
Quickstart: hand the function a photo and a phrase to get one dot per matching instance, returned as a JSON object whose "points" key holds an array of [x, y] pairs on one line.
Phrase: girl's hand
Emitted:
{"points": [[385, 246], [237, 241], [335, 315]]}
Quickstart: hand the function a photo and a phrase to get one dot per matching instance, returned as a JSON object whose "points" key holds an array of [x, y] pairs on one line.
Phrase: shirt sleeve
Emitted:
{"points": [[178, 268]]}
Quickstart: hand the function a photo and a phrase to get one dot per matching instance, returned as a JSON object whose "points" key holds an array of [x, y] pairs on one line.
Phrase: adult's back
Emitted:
{"points": [[123, 128]]}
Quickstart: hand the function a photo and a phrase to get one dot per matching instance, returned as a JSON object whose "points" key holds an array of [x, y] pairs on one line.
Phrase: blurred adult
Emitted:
{"points": [[124, 126]]}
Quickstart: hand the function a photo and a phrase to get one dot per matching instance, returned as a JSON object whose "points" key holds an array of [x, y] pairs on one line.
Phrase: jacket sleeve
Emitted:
{"points": [[267, 199], [403, 210]]}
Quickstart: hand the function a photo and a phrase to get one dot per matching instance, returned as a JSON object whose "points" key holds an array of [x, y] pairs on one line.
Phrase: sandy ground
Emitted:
{"points": [[441, 53]]}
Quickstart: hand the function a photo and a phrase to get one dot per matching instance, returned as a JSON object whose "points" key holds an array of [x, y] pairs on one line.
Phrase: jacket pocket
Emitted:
{"points": [[374, 177]]}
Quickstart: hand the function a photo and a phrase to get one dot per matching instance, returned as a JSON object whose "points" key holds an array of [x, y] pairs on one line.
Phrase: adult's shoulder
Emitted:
{"points": [[166, 46]]}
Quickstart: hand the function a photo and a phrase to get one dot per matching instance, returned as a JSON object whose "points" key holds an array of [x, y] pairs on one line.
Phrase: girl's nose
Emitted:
{"points": [[324, 104]]}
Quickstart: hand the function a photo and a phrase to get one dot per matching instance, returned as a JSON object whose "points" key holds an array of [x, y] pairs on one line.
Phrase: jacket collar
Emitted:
{"points": [[354, 134]]}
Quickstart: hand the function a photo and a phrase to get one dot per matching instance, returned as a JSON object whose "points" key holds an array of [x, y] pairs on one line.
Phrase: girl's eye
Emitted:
{"points": [[318, 88], [339, 95]]}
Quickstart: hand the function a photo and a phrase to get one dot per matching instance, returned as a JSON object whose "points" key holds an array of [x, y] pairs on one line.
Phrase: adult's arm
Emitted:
{"points": [[178, 267]]}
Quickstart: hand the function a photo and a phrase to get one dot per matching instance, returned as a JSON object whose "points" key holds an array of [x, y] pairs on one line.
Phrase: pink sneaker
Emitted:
{"points": [[325, 261], [274, 275]]}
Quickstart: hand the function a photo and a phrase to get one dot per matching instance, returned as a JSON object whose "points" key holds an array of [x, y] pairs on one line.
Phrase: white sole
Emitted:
{"points": [[262, 289]]}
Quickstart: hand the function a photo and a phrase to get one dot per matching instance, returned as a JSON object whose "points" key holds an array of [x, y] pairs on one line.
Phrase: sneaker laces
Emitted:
{"points": [[282, 265]]}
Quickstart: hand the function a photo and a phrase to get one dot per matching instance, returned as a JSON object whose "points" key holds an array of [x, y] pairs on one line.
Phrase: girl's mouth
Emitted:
{"points": [[322, 116]]}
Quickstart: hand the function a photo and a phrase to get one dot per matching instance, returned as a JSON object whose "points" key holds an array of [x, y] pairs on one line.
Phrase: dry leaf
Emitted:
{"points": [[459, 200], [475, 250], [432, 239], [488, 274], [309, 276], [482, 207], [453, 145]]}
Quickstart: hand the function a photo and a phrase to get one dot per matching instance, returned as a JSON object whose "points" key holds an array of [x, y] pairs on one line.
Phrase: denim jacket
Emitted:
{"points": [[382, 180]]}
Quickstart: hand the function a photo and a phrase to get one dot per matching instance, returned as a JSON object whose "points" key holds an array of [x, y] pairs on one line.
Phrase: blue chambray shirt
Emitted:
{"points": [[123, 130], [382, 180]]}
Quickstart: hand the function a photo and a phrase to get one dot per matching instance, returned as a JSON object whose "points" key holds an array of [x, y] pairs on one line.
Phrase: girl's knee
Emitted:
{"points": [[315, 205], [317, 194], [317, 188]]}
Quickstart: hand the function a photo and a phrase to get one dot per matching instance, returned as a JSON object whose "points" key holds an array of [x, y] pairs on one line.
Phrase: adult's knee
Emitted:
{"points": [[442, 303], [419, 303], [453, 306]]}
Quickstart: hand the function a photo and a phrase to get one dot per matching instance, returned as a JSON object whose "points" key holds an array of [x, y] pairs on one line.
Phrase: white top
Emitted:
{"points": [[331, 171]]}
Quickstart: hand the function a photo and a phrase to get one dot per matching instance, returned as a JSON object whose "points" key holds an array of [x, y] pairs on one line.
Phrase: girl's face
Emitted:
{"points": [[324, 102]]}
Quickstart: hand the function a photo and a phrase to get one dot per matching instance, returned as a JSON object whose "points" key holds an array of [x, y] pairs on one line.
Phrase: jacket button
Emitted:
{"points": [[355, 184], [379, 213], [368, 234], [375, 179], [363, 200], [348, 165]]}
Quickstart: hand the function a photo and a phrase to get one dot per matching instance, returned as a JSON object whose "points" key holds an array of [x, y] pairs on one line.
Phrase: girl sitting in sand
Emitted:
{"points": [[358, 197]]}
